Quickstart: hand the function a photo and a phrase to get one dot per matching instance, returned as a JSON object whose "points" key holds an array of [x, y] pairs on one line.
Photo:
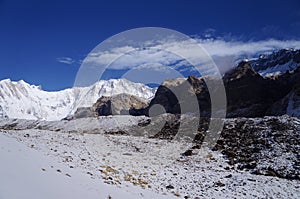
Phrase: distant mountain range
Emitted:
{"points": [[269, 85], [24, 101], [277, 62]]}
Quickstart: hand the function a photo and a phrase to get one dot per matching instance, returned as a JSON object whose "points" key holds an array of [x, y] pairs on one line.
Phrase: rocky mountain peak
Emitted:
{"points": [[277, 62], [243, 70]]}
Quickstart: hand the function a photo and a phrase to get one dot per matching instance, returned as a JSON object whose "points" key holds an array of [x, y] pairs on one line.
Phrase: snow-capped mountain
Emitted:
{"points": [[24, 101], [276, 63]]}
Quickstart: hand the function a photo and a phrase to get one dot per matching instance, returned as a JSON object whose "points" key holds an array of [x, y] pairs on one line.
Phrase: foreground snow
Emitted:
{"points": [[29, 173], [94, 165]]}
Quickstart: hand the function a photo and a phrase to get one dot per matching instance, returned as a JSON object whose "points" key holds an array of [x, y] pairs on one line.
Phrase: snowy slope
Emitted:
{"points": [[28, 173], [126, 167], [24, 101], [279, 69], [276, 62]]}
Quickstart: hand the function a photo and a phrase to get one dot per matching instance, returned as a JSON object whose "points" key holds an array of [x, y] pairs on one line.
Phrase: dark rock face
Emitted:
{"points": [[290, 104], [248, 93], [165, 97], [103, 106], [245, 90], [181, 96]]}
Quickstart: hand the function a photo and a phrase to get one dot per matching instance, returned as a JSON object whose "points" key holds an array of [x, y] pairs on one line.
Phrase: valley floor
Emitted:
{"points": [[38, 163]]}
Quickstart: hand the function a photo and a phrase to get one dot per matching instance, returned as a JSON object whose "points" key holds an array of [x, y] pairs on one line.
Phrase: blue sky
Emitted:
{"points": [[43, 42]]}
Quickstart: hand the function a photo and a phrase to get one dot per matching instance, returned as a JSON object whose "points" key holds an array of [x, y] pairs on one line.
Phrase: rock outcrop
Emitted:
{"points": [[121, 104], [83, 112], [248, 93], [2, 113]]}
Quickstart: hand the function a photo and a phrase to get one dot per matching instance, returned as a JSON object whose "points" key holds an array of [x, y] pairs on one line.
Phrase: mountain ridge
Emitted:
{"points": [[24, 101], [277, 62]]}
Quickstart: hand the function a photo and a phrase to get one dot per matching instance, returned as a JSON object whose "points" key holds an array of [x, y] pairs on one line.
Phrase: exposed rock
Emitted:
{"points": [[143, 123], [122, 104], [245, 92], [118, 104], [119, 132], [181, 96], [219, 184], [228, 176], [84, 112], [267, 146], [2, 113], [170, 187], [188, 153]]}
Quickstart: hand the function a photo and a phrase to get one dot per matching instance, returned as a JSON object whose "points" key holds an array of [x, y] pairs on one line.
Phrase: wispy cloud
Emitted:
{"points": [[65, 60], [210, 32], [250, 48], [224, 53]]}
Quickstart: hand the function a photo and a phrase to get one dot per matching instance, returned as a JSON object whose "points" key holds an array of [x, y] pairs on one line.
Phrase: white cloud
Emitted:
{"points": [[224, 53], [251, 48], [65, 60]]}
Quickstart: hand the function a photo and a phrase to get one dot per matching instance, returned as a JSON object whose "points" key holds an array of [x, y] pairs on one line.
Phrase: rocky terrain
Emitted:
{"points": [[253, 157], [266, 146]]}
